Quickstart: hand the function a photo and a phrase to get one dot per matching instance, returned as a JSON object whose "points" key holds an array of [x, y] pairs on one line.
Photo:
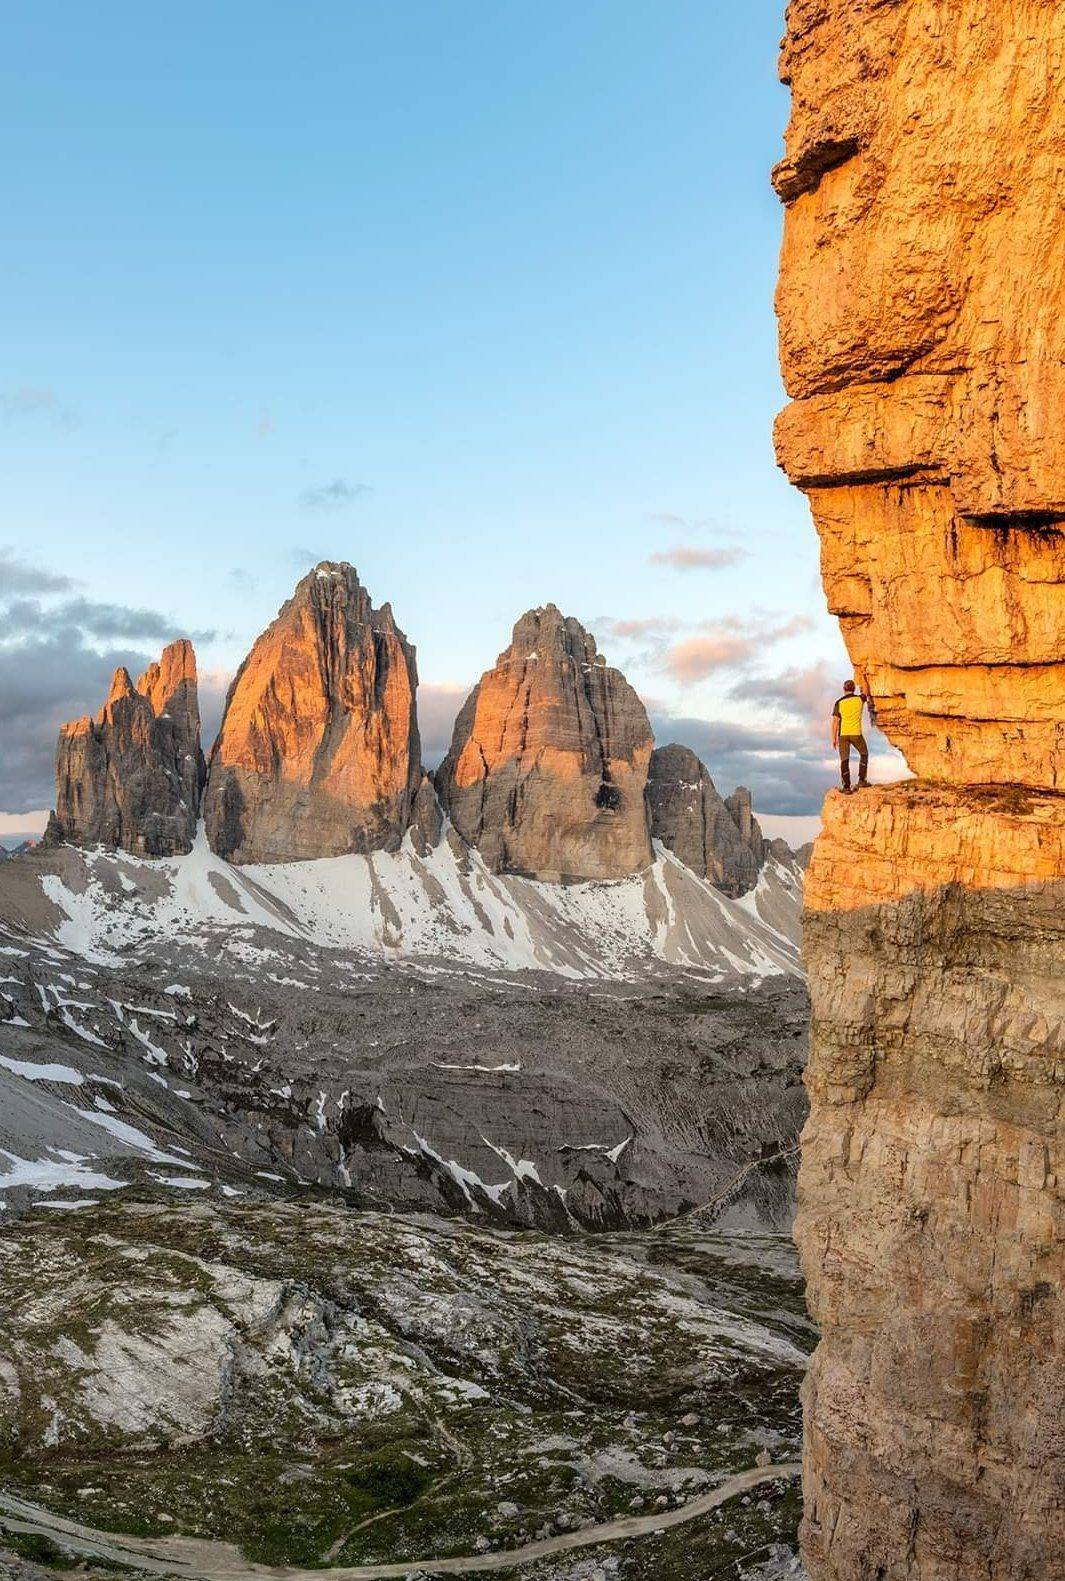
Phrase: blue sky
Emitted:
{"points": [[477, 296]]}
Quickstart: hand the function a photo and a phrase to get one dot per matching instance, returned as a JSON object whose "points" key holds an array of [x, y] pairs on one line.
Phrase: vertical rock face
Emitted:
{"points": [[318, 754], [921, 333], [923, 342], [739, 807], [132, 776], [548, 761], [717, 837]]}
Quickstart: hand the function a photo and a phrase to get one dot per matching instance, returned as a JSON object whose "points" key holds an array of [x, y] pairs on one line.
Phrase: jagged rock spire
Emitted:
{"points": [[318, 753], [717, 837], [131, 777]]}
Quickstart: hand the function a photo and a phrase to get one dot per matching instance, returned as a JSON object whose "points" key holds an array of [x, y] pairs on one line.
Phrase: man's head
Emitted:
{"points": [[848, 686]]}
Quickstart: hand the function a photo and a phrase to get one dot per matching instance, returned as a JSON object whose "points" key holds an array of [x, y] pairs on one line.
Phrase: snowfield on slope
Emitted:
{"points": [[445, 905]]}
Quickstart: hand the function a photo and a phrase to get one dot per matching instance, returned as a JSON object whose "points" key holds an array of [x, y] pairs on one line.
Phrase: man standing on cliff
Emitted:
{"points": [[847, 731]]}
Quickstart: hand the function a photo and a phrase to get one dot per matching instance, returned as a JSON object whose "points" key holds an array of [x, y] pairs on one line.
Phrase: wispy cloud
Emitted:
{"points": [[794, 626], [805, 693], [727, 644], [21, 617], [333, 496], [690, 652], [691, 524], [638, 629], [20, 576], [695, 658], [643, 638], [687, 557], [30, 400], [667, 519]]}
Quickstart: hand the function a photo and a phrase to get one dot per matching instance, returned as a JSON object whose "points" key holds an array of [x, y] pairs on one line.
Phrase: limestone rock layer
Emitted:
{"points": [[131, 777], [318, 754], [549, 759], [931, 1210], [922, 337], [717, 837], [923, 343]]}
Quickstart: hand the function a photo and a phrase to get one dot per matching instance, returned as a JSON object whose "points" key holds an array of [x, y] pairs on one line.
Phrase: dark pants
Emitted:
{"points": [[845, 744]]}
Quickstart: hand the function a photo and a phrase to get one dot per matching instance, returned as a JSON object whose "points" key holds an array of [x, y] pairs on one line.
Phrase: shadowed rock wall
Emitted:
{"points": [[131, 777], [923, 343], [717, 837], [548, 761]]}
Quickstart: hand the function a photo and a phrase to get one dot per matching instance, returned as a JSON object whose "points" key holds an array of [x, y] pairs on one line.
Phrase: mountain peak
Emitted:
{"points": [[549, 756], [318, 754], [547, 630], [121, 686], [717, 837], [132, 776], [175, 668]]}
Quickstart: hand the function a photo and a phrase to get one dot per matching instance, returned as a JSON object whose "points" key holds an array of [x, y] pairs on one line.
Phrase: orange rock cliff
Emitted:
{"points": [[922, 339], [318, 754]]}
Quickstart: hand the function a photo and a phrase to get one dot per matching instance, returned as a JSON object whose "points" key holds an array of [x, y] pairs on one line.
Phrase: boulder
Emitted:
{"points": [[131, 777], [549, 757], [318, 754]]}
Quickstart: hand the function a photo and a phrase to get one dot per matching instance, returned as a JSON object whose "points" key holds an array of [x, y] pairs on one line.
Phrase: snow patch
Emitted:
{"points": [[124, 1132], [48, 1174], [30, 1072]]}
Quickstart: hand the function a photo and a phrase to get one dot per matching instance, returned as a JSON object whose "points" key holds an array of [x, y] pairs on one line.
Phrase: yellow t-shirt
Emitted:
{"points": [[849, 708]]}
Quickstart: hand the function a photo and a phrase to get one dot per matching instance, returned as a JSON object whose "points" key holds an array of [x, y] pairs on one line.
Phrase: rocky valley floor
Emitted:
{"points": [[312, 1386], [242, 1053], [313, 1255]]}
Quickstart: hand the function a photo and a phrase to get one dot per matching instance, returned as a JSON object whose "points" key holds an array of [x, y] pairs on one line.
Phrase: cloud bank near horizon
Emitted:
{"points": [[58, 652]]}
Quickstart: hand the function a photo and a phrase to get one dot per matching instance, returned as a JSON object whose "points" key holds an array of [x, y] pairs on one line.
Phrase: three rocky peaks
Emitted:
{"points": [[552, 771]]}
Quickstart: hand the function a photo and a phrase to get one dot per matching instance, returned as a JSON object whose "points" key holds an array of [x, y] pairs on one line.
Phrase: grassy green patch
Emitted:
{"points": [[390, 1478], [38, 1550], [404, 1388]]}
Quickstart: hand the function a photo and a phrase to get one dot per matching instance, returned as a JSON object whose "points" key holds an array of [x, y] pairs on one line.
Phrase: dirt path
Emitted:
{"points": [[213, 1561]]}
